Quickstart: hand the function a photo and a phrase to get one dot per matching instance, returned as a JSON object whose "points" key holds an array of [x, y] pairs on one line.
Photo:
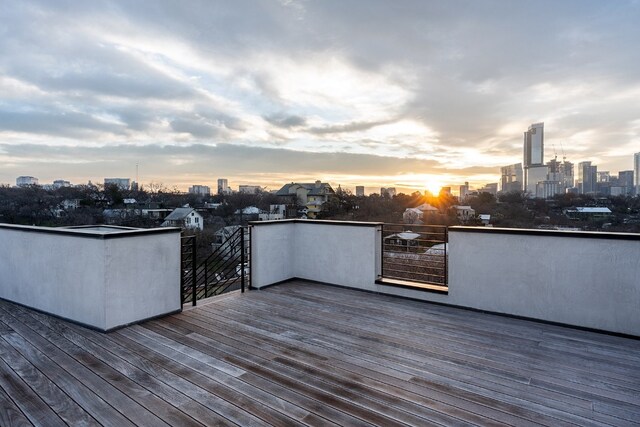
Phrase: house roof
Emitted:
{"points": [[179, 214], [250, 210], [405, 235], [311, 188], [590, 210], [426, 207]]}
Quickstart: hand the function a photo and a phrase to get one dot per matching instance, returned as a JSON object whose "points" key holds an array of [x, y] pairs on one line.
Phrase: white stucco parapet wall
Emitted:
{"points": [[103, 277], [335, 252], [583, 279], [587, 279]]}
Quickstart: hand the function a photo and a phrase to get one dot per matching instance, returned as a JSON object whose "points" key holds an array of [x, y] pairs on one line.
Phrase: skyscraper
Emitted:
{"points": [[360, 190], [534, 168], [511, 178], [636, 173], [223, 186], [587, 177], [625, 180], [534, 145]]}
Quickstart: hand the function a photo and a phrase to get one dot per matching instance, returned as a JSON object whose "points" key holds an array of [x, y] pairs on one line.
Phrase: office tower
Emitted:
{"points": [[625, 180], [200, 190], [534, 168], [567, 173], [587, 177], [223, 186], [121, 183], [511, 178], [489, 188], [636, 173], [464, 191], [534, 145], [359, 190]]}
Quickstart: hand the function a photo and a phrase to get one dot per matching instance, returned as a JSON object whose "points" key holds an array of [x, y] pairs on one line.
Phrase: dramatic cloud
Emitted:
{"points": [[269, 91]]}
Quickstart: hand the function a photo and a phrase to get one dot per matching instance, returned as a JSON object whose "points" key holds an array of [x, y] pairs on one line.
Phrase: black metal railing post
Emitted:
{"points": [[382, 251], [249, 261], [206, 279], [193, 271], [446, 256], [242, 259], [181, 272]]}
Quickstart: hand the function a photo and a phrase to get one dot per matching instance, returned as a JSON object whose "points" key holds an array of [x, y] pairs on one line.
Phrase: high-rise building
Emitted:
{"points": [[223, 186], [121, 183], [464, 191], [359, 190], [200, 190], [23, 181], [636, 173], [489, 188], [511, 178], [534, 145], [534, 175], [566, 168], [603, 176], [534, 167], [625, 180], [547, 189], [587, 178]]}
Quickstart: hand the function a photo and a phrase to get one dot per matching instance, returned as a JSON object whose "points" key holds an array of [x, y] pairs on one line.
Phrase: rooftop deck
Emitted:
{"points": [[302, 353]]}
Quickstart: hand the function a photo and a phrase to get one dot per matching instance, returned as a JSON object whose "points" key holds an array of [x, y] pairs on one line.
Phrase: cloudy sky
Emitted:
{"points": [[376, 92]]}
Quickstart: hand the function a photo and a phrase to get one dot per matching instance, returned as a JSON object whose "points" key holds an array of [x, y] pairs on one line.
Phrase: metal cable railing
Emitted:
{"points": [[415, 253]]}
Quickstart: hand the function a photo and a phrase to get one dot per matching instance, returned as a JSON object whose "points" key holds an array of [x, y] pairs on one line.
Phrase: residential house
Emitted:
{"points": [[276, 212], [588, 213], [400, 242], [308, 196], [186, 217], [419, 214], [250, 213], [464, 213]]}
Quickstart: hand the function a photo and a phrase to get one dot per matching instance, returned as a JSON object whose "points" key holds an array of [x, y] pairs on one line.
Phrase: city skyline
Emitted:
{"points": [[269, 93]]}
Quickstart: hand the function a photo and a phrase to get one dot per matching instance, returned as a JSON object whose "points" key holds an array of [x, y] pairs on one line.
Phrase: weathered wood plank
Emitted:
{"points": [[124, 404], [374, 376], [67, 409], [309, 354], [274, 314], [194, 350], [369, 399], [224, 384], [34, 408], [10, 414]]}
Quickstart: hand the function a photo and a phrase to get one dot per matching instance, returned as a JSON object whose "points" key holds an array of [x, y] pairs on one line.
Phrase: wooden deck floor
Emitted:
{"points": [[301, 353]]}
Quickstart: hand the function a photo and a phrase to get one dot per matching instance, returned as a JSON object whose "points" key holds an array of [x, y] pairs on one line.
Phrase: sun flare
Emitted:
{"points": [[433, 186]]}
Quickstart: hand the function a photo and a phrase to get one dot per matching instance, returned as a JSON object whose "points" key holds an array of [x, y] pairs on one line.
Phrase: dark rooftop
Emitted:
{"points": [[309, 354]]}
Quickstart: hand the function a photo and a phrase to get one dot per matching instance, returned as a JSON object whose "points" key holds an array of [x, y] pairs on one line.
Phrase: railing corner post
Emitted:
{"points": [[242, 261], [193, 271]]}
